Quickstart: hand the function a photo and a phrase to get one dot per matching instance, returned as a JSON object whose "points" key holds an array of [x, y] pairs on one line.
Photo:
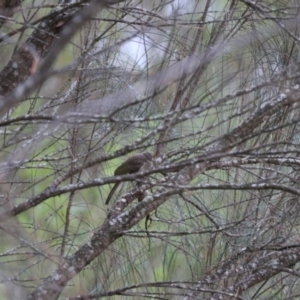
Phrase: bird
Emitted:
{"points": [[132, 165]]}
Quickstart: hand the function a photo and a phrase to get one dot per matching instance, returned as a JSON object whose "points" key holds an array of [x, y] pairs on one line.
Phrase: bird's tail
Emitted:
{"points": [[112, 192]]}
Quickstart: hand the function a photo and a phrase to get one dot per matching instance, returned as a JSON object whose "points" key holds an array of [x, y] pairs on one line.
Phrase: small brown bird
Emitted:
{"points": [[132, 165]]}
